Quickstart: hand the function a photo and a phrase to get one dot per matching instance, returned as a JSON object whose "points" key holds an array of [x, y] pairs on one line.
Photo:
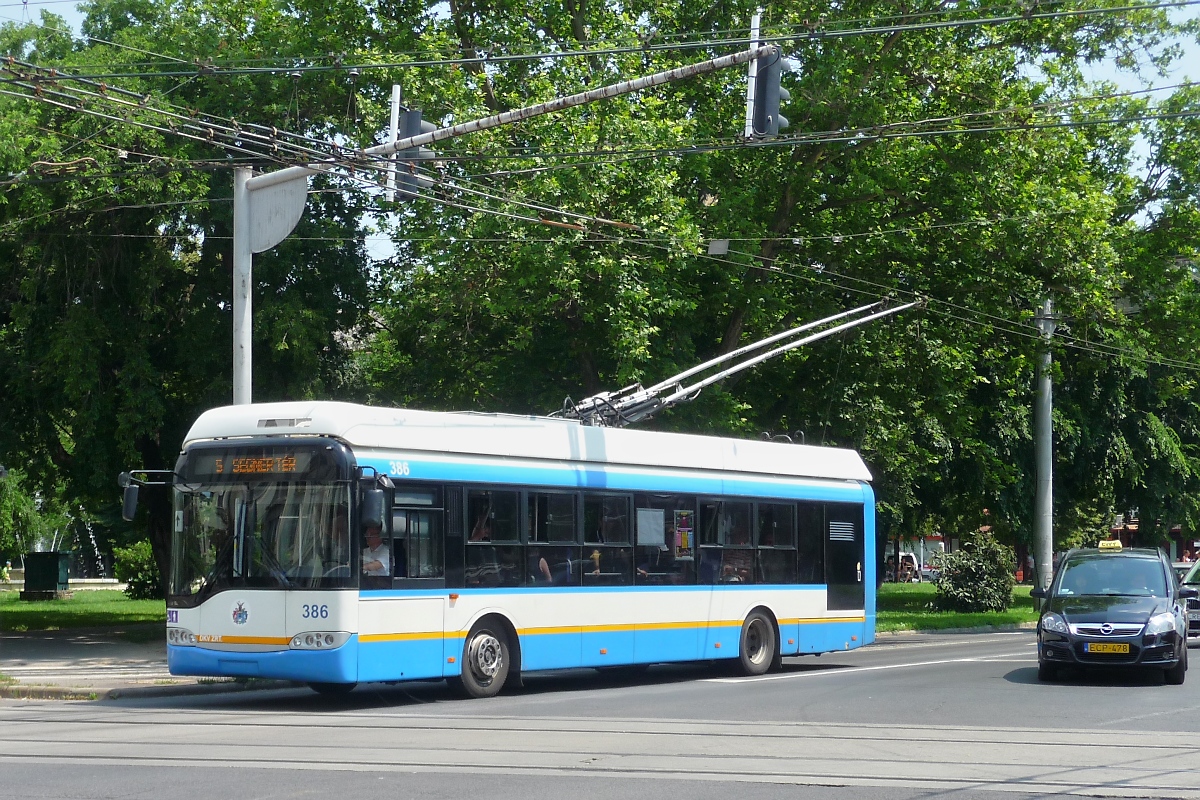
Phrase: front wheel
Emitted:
{"points": [[485, 661], [757, 651], [1175, 675]]}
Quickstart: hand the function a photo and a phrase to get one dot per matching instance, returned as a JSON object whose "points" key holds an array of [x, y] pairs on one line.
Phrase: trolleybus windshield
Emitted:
{"points": [[267, 517]]}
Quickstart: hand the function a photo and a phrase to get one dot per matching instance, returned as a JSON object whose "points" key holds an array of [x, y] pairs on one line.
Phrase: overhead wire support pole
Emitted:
{"points": [[1043, 446]]}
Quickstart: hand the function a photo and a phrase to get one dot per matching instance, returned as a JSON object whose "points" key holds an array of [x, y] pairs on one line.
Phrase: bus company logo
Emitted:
{"points": [[241, 613]]}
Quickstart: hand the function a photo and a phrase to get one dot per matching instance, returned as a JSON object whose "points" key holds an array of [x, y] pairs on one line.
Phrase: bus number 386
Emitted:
{"points": [[398, 467], [314, 611]]}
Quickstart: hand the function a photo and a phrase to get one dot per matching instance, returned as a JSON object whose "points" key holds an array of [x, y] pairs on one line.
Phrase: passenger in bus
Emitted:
{"points": [[376, 556], [539, 569], [482, 532]]}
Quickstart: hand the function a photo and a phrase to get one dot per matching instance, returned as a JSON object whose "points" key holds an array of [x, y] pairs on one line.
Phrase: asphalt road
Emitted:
{"points": [[922, 716]]}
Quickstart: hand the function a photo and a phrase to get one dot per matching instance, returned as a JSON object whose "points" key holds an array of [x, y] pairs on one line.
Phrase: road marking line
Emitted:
{"points": [[849, 670]]}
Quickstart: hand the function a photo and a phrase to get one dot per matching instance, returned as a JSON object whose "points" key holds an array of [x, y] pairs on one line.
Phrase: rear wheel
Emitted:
{"points": [[332, 689], [1175, 675], [1047, 672], [757, 651], [485, 661]]}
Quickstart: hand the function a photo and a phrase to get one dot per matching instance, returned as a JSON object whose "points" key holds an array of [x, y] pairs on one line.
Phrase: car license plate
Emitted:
{"points": [[1106, 647], [1194, 615]]}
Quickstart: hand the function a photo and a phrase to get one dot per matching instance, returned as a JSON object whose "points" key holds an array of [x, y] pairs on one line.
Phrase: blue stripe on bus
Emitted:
{"points": [[575, 477]]}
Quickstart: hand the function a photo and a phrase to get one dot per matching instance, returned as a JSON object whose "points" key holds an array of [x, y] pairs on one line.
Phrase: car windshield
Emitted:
{"points": [[1193, 574], [1107, 575]]}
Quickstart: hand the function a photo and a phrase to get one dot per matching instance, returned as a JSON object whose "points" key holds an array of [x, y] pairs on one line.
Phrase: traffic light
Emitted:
{"points": [[407, 179], [769, 94]]}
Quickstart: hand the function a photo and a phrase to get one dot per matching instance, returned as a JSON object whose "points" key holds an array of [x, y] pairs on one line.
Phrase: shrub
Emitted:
{"points": [[978, 577], [136, 568]]}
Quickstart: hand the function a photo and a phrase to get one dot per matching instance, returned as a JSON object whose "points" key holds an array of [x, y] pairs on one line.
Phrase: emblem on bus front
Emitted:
{"points": [[241, 614]]}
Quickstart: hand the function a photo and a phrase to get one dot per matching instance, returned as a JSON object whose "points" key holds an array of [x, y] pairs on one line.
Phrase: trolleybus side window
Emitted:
{"points": [[776, 543], [494, 517], [726, 549], [666, 539], [418, 541], [608, 550], [553, 555], [810, 529]]}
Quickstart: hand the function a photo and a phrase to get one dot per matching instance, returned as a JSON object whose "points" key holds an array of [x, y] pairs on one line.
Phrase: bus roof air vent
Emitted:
{"points": [[303, 422]]}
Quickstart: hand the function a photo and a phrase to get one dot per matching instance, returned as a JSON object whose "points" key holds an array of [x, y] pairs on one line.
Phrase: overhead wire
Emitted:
{"points": [[821, 30]]}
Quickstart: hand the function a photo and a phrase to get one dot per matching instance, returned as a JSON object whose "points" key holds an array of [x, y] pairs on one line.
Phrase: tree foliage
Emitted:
{"points": [[970, 165], [977, 577]]}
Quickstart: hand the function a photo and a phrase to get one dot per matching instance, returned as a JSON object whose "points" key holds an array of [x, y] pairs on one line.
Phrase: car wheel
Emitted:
{"points": [[1175, 675], [1047, 672]]}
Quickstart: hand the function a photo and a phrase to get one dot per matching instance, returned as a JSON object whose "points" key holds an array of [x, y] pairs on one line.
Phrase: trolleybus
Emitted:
{"points": [[337, 544]]}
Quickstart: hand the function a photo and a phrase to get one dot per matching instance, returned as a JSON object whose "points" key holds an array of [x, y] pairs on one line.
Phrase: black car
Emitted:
{"points": [[1192, 579], [1113, 607]]}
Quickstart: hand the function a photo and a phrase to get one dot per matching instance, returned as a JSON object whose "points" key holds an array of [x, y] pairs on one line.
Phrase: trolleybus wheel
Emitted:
{"points": [[757, 653], [485, 661], [332, 689]]}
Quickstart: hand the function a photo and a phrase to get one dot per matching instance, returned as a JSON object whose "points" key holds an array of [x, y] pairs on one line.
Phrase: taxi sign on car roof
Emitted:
{"points": [[1110, 544]]}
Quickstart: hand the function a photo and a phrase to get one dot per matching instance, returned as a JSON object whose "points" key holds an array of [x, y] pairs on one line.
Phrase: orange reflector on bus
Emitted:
{"points": [[603, 651], [453, 597], [854, 638], [717, 645], [450, 660]]}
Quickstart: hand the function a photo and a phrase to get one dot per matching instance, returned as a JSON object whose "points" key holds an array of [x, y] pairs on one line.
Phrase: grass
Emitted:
{"points": [[902, 607], [101, 608], [908, 607]]}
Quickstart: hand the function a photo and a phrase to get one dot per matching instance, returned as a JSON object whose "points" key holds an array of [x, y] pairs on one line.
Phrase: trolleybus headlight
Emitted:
{"points": [[181, 637], [319, 640]]}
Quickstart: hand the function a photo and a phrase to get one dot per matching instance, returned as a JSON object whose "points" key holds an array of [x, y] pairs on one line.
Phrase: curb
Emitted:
{"points": [[1015, 626], [19, 692]]}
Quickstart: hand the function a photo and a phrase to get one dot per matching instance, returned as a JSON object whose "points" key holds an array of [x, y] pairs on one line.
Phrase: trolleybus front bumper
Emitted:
{"points": [[339, 665]]}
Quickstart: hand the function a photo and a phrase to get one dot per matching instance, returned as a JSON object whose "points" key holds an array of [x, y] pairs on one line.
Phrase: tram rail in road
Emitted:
{"points": [[980, 723]]}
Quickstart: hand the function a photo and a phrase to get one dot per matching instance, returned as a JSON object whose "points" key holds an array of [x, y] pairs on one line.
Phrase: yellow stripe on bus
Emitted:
{"points": [[568, 629], [219, 639]]}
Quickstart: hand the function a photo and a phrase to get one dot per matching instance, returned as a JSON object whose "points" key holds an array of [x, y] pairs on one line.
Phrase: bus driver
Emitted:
{"points": [[376, 558]]}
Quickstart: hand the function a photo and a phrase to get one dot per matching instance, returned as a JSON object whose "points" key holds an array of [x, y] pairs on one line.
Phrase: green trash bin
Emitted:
{"points": [[46, 576]]}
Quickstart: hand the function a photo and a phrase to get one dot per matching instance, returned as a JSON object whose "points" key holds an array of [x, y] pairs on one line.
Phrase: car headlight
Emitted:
{"points": [[1053, 622], [1161, 623]]}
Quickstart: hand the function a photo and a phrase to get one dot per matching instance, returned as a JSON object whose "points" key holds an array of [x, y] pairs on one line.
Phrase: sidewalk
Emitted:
{"points": [[90, 664]]}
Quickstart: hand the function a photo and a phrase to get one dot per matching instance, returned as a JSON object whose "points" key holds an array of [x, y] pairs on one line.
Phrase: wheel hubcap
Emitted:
{"points": [[755, 642], [485, 655]]}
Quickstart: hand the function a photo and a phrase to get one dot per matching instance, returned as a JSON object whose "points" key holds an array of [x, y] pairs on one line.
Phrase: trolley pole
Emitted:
{"points": [[1043, 427]]}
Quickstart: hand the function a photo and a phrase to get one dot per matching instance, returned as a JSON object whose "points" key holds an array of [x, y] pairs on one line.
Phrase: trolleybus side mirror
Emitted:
{"points": [[373, 508], [129, 502]]}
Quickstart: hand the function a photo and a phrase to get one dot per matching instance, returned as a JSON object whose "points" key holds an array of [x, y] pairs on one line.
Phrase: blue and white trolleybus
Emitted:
{"points": [[338, 544]]}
